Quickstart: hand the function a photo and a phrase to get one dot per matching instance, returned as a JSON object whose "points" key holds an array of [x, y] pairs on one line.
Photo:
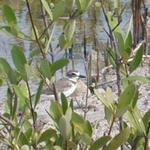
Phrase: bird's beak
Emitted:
{"points": [[82, 76]]}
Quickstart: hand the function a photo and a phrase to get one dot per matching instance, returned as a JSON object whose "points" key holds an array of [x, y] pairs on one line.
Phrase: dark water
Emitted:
{"points": [[92, 29]]}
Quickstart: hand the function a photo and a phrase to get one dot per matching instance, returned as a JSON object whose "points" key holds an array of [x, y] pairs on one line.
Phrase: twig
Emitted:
{"points": [[117, 60], [136, 141], [107, 33], [84, 43], [45, 30], [101, 84], [34, 30], [31, 106], [110, 129], [87, 92], [7, 120], [146, 137]]}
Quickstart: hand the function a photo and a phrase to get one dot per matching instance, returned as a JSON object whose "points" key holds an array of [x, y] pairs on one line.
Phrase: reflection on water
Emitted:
{"points": [[93, 21]]}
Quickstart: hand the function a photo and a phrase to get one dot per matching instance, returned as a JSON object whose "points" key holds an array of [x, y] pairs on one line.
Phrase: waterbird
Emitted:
{"points": [[66, 85]]}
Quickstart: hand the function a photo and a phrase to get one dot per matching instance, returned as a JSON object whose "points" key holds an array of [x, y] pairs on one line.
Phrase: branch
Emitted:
{"points": [[7, 120]]}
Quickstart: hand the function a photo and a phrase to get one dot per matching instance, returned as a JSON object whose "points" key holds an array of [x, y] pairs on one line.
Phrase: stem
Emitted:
{"points": [[40, 47], [87, 92], [146, 137], [51, 49], [110, 129], [31, 106], [136, 141], [66, 144], [55, 93], [117, 58], [84, 43], [7, 120], [34, 30]]}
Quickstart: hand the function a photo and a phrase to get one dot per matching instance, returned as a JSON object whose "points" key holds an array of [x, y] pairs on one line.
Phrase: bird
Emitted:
{"points": [[66, 85]]}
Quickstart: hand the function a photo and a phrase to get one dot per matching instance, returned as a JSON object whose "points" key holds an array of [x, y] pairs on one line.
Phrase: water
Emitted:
{"points": [[86, 20]]}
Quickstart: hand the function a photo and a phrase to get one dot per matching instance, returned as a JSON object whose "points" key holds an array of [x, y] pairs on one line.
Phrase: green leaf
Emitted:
{"points": [[78, 123], [117, 6], [35, 53], [28, 71], [22, 35], [108, 115], [81, 125], [83, 4], [127, 95], [128, 38], [20, 61], [14, 109], [24, 89], [38, 93], [1, 82], [128, 47], [126, 99], [97, 4], [9, 101], [46, 135], [113, 22], [10, 15], [64, 103], [135, 119], [45, 68], [124, 50], [137, 78], [137, 59], [135, 98], [18, 57], [64, 43], [85, 139], [27, 124], [65, 127], [47, 8], [59, 64], [68, 114], [112, 58], [70, 29], [118, 140], [56, 111], [12, 75], [28, 133], [33, 34], [128, 42], [109, 95], [146, 119], [100, 142], [103, 99], [87, 128], [120, 43], [59, 9], [5, 65], [20, 137], [49, 41], [8, 30], [71, 145], [22, 96]]}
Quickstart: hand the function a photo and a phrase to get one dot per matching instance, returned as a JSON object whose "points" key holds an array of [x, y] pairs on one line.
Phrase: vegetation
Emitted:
{"points": [[72, 131]]}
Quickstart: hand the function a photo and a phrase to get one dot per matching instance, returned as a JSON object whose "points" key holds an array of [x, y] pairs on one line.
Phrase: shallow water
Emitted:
{"points": [[86, 20]]}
